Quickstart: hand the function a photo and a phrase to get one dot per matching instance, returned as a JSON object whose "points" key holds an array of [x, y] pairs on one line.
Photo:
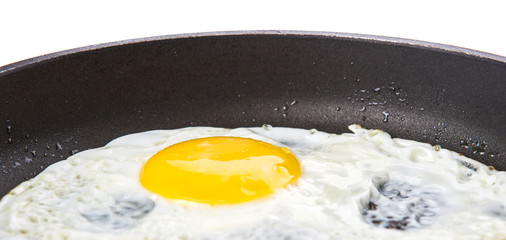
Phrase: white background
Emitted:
{"points": [[33, 28]]}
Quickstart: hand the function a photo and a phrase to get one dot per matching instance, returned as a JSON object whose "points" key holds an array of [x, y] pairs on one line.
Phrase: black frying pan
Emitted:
{"points": [[55, 105]]}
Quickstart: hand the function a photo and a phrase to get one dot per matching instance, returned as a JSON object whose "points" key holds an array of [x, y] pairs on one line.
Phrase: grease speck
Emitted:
{"points": [[385, 114], [267, 127]]}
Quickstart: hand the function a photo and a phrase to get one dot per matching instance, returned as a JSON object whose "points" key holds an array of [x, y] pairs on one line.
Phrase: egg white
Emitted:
{"points": [[92, 194]]}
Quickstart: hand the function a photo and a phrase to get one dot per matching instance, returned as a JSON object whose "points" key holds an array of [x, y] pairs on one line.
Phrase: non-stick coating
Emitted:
{"points": [[52, 107]]}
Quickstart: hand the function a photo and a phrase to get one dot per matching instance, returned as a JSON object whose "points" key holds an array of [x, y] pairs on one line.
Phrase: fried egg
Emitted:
{"points": [[208, 183]]}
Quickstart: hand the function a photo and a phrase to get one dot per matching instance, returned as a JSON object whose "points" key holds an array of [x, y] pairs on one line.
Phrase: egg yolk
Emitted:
{"points": [[219, 170]]}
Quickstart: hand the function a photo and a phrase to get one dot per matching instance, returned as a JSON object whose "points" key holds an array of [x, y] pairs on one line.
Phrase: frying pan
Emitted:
{"points": [[56, 105]]}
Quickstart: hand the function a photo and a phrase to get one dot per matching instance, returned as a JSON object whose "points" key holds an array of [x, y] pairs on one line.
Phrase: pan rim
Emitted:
{"points": [[12, 67]]}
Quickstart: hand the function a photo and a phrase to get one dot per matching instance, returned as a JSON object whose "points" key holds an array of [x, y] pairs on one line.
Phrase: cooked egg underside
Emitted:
{"points": [[360, 185]]}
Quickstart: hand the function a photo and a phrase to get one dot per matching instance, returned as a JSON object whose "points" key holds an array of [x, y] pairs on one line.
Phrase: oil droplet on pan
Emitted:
{"points": [[386, 114]]}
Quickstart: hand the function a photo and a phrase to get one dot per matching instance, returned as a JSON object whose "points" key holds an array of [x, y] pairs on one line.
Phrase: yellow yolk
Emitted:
{"points": [[219, 170]]}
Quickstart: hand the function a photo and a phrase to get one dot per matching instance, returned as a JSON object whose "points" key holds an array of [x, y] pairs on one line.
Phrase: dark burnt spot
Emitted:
{"points": [[372, 206], [469, 165], [402, 206]]}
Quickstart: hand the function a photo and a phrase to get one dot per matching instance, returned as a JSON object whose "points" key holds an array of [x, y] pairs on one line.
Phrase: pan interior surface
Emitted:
{"points": [[56, 107]]}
